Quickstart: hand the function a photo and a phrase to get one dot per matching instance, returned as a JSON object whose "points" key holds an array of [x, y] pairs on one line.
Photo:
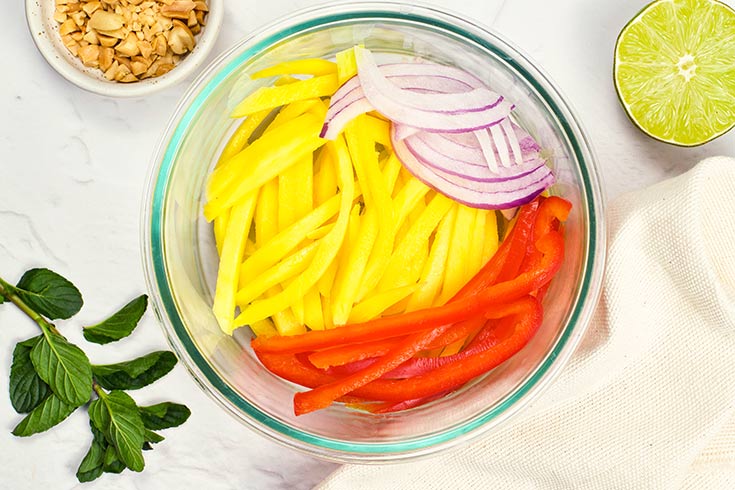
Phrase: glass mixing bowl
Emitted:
{"points": [[181, 260]]}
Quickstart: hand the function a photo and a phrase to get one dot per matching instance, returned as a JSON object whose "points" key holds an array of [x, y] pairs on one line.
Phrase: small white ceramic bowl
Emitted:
{"points": [[45, 32]]}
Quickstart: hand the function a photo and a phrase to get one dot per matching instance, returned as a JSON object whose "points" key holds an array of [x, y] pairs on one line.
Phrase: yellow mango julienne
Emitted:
{"points": [[239, 139], [311, 66], [433, 272], [346, 65], [271, 251], [230, 259], [314, 234], [263, 160], [272, 97], [327, 250], [361, 139]]}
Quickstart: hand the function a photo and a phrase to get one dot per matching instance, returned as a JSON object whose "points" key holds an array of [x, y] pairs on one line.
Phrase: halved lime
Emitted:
{"points": [[675, 70]]}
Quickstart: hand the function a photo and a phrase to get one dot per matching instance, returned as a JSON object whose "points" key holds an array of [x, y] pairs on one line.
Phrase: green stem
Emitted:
{"points": [[98, 389], [6, 290]]}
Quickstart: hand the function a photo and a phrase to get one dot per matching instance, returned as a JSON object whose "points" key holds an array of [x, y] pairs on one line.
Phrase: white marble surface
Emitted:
{"points": [[72, 169]]}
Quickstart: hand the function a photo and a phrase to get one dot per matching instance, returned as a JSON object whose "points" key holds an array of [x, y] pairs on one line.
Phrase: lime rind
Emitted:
{"points": [[674, 70]]}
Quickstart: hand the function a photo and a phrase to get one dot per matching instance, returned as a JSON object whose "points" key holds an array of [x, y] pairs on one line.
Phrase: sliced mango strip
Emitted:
{"points": [[325, 180], [272, 97], [232, 252], [220, 228], [292, 111], [228, 172], [349, 277], [286, 322], [267, 157], [491, 239], [375, 305], [279, 245], [407, 198], [391, 168], [325, 253], [295, 192], [455, 274], [346, 65], [476, 242], [361, 143], [326, 308], [313, 316], [284, 80], [320, 232], [266, 225], [289, 267], [264, 328], [433, 272], [297, 307], [326, 282], [409, 220], [453, 348], [249, 244], [378, 129], [310, 66], [407, 254], [240, 137]]}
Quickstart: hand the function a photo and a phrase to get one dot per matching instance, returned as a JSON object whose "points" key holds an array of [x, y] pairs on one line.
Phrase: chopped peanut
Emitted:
{"points": [[130, 40]]}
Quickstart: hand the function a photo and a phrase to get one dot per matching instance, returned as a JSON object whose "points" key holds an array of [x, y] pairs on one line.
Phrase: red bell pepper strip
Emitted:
{"points": [[388, 407], [491, 334], [324, 395], [551, 212], [518, 241], [447, 377], [455, 374], [485, 277], [551, 245], [350, 353]]}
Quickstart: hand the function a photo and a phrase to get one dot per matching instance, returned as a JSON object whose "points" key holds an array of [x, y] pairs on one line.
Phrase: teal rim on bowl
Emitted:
{"points": [[179, 296]]}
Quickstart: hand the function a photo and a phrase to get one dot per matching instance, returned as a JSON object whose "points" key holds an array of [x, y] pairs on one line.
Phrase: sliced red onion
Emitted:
{"points": [[373, 80], [349, 101], [510, 134], [466, 147], [490, 184], [445, 163], [488, 149], [456, 112], [501, 145], [439, 78], [511, 192]]}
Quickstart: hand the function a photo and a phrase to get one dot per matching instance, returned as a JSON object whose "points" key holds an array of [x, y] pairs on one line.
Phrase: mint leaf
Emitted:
{"points": [[112, 463], [119, 325], [116, 415], [50, 412], [151, 437], [49, 294], [164, 415], [27, 389], [64, 367], [135, 374], [99, 436], [91, 466]]}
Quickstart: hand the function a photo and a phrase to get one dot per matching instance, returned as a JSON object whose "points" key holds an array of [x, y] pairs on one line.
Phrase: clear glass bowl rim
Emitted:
{"points": [[157, 278]]}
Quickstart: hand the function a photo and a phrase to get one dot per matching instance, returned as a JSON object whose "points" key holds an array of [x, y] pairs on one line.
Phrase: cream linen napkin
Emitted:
{"points": [[648, 400]]}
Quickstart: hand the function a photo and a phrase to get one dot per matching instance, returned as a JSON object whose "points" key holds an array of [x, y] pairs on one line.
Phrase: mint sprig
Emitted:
{"points": [[50, 377]]}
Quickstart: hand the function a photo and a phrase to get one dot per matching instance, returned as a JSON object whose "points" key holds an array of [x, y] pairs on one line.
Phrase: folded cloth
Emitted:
{"points": [[648, 399]]}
